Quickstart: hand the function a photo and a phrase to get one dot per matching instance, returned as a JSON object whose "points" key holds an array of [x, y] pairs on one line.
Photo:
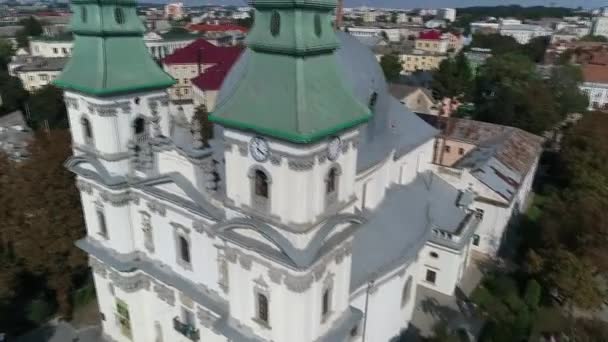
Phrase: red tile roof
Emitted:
{"points": [[212, 78], [203, 52], [216, 28], [595, 73], [430, 35]]}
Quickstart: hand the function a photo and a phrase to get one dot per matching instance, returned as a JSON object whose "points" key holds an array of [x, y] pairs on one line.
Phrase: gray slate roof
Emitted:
{"points": [[398, 228], [37, 63]]}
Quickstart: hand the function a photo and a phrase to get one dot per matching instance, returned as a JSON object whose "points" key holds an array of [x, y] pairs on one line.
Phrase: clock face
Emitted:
{"points": [[333, 149], [259, 149]]}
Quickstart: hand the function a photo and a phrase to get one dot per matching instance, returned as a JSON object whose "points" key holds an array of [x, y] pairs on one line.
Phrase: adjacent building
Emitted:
{"points": [[417, 99], [193, 60], [498, 163], [448, 14], [159, 45], [523, 33], [35, 72], [174, 11], [600, 26], [595, 85]]}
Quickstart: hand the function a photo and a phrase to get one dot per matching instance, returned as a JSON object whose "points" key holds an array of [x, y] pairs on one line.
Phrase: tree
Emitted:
{"points": [[47, 108], [564, 84], [574, 279], [508, 91], [32, 26], [48, 216], [497, 43], [206, 126], [453, 79], [391, 66], [6, 52], [591, 38], [535, 49], [23, 40], [12, 92], [532, 294]]}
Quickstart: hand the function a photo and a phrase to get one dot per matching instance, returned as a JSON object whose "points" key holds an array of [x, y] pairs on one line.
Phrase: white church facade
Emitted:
{"points": [[312, 214]]}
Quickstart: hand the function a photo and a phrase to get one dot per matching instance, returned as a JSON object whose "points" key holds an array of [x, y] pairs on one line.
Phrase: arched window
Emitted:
{"points": [[262, 307], [119, 15], [407, 291], [332, 178], [87, 131], [83, 14], [275, 23], [101, 221], [139, 126], [261, 184]]}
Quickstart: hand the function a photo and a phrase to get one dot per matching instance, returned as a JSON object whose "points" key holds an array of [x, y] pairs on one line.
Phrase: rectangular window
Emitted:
{"points": [[431, 276], [44, 77], [101, 221], [64, 50], [262, 307], [447, 148], [476, 239], [326, 303], [122, 317], [460, 151], [55, 51], [184, 249], [479, 213]]}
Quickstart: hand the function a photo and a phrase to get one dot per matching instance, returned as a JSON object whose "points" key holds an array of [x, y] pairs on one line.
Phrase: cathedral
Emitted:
{"points": [[313, 214]]}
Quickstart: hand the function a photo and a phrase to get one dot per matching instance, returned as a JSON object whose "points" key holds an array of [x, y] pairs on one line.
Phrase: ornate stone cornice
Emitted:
{"points": [[129, 284], [110, 109], [119, 199], [118, 156], [164, 293], [157, 207]]}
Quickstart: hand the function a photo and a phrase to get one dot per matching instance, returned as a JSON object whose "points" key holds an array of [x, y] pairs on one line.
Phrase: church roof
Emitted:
{"points": [[110, 56], [402, 224], [288, 86]]}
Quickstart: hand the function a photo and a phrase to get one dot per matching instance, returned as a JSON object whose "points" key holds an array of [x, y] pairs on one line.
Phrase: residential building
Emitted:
{"points": [[600, 26], [595, 85], [391, 34], [174, 11], [191, 61], [206, 86], [402, 18], [455, 41], [498, 163], [524, 33], [159, 45], [415, 60], [314, 209], [36, 72], [435, 24], [370, 16], [448, 14], [15, 136], [432, 41], [417, 99], [484, 27]]}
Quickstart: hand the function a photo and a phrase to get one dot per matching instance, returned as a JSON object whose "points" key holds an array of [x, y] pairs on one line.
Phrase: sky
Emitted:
{"points": [[430, 3]]}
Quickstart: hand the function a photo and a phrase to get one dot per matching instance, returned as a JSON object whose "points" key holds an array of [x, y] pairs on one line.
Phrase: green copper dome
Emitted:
{"points": [[291, 89], [110, 56]]}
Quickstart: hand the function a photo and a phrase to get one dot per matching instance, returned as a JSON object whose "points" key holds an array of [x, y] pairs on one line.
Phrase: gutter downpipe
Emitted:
{"points": [[370, 284]]}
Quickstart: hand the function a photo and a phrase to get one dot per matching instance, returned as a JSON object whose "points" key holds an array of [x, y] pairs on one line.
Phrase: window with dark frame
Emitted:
{"points": [[139, 126], [476, 239], [86, 128], [101, 219], [184, 249], [331, 181], [325, 302], [261, 184], [434, 255], [460, 151], [262, 308], [431, 276], [447, 148]]}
